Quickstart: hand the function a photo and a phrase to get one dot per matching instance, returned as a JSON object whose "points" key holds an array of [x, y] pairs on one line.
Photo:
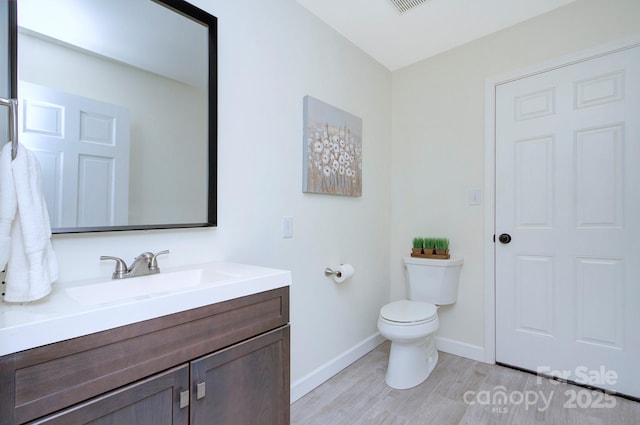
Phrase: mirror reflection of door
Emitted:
{"points": [[149, 59], [83, 149]]}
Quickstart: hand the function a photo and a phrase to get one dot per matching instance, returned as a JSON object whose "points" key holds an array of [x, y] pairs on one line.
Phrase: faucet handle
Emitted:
{"points": [[154, 260], [121, 266], [145, 256]]}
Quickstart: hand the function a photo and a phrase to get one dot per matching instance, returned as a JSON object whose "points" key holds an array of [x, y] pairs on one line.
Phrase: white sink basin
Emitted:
{"points": [[84, 307], [143, 286]]}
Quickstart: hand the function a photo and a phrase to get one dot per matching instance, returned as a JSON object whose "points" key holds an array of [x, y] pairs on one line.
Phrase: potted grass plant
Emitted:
{"points": [[418, 244], [430, 248], [442, 246]]}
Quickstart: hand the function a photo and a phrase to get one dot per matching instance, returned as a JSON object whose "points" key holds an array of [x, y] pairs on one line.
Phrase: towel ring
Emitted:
{"points": [[13, 124]]}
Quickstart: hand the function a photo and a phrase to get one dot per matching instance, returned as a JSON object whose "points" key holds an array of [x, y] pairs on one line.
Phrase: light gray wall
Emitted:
{"points": [[438, 140], [272, 54]]}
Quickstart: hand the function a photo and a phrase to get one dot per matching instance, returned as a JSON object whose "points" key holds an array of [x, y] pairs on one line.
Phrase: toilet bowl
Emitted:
{"points": [[411, 324]]}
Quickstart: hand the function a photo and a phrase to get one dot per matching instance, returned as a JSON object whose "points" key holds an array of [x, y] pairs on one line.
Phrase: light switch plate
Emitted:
{"points": [[474, 197], [287, 227]]}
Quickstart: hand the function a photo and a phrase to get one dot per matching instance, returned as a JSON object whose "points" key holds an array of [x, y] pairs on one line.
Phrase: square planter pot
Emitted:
{"points": [[441, 254]]}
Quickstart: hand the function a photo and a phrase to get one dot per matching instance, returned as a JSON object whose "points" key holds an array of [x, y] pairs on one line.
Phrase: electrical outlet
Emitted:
{"points": [[287, 227]]}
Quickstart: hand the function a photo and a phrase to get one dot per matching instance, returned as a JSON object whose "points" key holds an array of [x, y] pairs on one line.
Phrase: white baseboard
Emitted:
{"points": [[313, 379], [462, 349]]}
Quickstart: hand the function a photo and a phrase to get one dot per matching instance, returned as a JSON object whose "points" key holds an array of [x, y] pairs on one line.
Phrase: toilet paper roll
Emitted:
{"points": [[344, 272]]}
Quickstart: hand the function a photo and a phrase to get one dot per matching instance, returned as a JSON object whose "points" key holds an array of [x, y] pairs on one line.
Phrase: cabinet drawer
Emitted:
{"points": [[153, 401], [46, 379]]}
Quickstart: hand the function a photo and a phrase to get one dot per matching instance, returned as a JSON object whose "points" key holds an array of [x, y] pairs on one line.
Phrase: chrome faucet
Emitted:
{"points": [[144, 264]]}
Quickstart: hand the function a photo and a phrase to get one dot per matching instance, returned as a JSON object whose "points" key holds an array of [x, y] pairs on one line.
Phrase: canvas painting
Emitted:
{"points": [[332, 150]]}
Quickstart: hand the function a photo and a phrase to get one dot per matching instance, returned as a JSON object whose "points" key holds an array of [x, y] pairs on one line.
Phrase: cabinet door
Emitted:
{"points": [[153, 401], [246, 384]]}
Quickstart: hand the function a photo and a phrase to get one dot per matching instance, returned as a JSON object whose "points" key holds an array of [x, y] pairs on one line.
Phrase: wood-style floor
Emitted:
{"points": [[459, 391]]}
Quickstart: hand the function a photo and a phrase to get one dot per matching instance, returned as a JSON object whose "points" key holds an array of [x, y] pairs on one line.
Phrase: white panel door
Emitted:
{"points": [[83, 149], [568, 282]]}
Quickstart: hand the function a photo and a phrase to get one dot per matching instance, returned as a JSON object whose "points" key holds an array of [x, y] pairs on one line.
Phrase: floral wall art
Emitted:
{"points": [[332, 150]]}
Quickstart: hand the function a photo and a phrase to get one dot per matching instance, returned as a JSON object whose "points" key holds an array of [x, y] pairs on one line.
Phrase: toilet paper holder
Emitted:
{"points": [[341, 273], [330, 272]]}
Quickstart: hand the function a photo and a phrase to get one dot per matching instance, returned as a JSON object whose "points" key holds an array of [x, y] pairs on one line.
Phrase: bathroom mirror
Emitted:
{"points": [[118, 100]]}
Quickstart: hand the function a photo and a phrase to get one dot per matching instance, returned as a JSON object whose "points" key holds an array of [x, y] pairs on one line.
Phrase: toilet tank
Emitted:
{"points": [[433, 281]]}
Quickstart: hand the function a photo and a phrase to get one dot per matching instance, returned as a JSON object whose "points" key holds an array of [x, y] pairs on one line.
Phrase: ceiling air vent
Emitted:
{"points": [[403, 6]]}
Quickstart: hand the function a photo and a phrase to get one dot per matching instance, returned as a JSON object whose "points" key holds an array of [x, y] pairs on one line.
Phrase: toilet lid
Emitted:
{"points": [[406, 311]]}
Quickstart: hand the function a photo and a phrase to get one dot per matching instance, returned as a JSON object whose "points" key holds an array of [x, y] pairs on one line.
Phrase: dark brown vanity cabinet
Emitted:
{"points": [[226, 363]]}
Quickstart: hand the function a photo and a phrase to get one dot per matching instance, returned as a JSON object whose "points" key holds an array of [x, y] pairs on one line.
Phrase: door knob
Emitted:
{"points": [[504, 238]]}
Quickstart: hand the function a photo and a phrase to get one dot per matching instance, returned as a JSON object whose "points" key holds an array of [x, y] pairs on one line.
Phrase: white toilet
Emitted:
{"points": [[411, 324]]}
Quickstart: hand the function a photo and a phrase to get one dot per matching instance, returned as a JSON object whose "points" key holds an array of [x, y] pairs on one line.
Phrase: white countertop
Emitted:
{"points": [[72, 310]]}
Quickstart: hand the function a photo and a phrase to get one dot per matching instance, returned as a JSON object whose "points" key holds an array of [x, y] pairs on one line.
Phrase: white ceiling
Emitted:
{"points": [[397, 40]]}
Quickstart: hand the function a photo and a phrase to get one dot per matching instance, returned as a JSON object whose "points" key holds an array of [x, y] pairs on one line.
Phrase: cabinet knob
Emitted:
{"points": [[184, 399], [201, 390]]}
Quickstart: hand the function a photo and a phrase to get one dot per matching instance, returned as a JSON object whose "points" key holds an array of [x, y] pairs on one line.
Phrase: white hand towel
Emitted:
{"points": [[32, 262], [8, 203]]}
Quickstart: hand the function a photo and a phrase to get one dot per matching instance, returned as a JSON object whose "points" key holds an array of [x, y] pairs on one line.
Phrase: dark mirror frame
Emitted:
{"points": [[196, 14]]}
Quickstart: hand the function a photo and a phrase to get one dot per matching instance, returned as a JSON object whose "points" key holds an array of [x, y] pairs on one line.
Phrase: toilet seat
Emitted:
{"points": [[409, 312]]}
